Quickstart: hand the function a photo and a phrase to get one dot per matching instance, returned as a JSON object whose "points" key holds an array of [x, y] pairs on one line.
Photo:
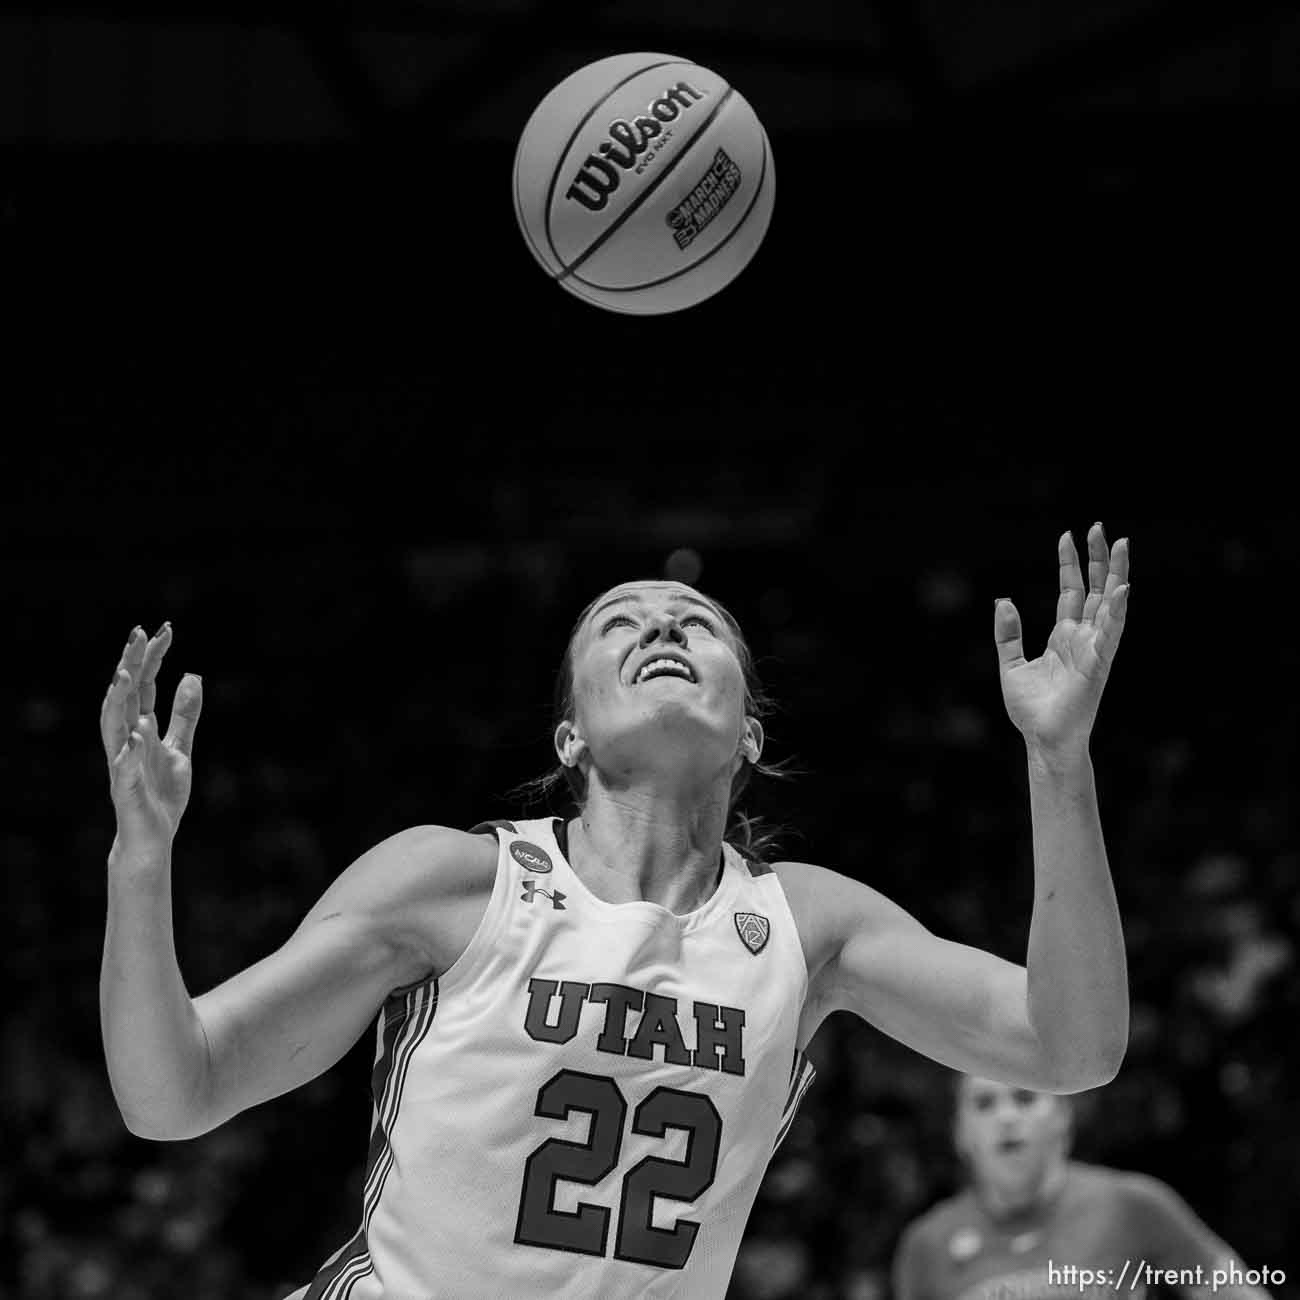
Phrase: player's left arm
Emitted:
{"points": [[1177, 1239], [1060, 1022]]}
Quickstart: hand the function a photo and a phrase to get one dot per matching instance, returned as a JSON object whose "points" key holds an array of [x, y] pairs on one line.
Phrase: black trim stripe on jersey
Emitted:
{"points": [[407, 1020], [560, 829], [388, 1102], [802, 1074], [490, 828], [356, 1248]]}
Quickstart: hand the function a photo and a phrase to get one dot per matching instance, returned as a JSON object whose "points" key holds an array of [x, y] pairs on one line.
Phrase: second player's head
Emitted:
{"points": [[1012, 1140], [657, 683]]}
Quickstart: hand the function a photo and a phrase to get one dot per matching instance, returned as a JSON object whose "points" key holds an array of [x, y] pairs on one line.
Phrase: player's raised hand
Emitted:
{"points": [[149, 776], [1053, 699]]}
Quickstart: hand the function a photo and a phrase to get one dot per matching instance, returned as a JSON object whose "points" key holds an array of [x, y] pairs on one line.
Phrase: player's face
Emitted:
{"points": [[1009, 1135], [657, 682]]}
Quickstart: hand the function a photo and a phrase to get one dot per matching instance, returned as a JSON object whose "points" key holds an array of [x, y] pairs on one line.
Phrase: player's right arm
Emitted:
{"points": [[180, 1066]]}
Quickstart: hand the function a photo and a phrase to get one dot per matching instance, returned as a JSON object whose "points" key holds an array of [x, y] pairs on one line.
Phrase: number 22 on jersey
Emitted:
{"points": [[586, 1229]]}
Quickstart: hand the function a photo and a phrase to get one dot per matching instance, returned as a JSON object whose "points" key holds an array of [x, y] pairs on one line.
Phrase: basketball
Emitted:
{"points": [[643, 183]]}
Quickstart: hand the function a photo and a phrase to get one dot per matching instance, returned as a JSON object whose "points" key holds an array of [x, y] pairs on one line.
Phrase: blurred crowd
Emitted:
{"points": [[351, 692]]}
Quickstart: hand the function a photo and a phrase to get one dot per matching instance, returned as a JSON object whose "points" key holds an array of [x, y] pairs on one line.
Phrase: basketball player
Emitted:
{"points": [[1035, 1225], [591, 1032]]}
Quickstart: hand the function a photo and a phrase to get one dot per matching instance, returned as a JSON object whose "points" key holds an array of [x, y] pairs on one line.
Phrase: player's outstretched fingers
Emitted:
{"points": [[1110, 625], [1006, 634], [132, 661], [1069, 604], [1119, 560], [112, 724], [153, 655], [116, 708], [186, 707], [1098, 568]]}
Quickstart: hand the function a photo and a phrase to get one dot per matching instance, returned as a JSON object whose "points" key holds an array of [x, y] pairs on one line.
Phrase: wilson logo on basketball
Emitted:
{"points": [[754, 931], [602, 172], [530, 857]]}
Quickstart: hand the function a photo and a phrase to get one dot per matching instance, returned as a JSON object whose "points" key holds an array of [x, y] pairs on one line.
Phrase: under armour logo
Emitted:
{"points": [[531, 891]]}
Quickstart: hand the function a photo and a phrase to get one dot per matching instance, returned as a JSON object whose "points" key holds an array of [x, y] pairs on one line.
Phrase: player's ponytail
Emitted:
{"points": [[752, 837]]}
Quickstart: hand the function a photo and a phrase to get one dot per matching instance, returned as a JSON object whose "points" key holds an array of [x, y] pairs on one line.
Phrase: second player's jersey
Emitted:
{"points": [[1099, 1238], [584, 1104]]}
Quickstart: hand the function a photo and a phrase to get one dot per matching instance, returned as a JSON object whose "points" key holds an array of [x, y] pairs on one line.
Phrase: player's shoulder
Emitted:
{"points": [[1103, 1179], [829, 906], [423, 889], [1132, 1187], [1124, 1190], [825, 893], [418, 894], [419, 865], [445, 853]]}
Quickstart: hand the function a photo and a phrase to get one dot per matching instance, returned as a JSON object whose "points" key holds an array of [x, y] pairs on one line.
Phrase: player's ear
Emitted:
{"points": [[569, 745], [751, 740]]}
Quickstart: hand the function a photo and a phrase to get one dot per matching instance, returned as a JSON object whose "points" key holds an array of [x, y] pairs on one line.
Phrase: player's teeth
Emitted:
{"points": [[671, 664]]}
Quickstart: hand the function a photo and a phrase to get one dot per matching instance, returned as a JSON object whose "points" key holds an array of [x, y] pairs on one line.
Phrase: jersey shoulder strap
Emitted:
{"points": [[488, 828]]}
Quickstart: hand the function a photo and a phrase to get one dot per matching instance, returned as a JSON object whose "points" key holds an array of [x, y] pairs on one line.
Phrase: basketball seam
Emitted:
{"points": [[651, 284], [632, 207], [568, 144], [520, 216]]}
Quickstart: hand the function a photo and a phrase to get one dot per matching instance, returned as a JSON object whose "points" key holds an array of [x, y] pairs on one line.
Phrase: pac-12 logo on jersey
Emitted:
{"points": [[530, 857], [531, 891], [754, 931]]}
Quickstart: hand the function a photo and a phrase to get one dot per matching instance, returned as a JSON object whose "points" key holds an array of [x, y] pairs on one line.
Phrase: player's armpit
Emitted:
{"points": [[403, 910], [958, 1005]]}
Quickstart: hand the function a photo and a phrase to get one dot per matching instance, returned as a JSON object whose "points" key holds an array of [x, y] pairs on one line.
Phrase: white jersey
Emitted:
{"points": [[583, 1105]]}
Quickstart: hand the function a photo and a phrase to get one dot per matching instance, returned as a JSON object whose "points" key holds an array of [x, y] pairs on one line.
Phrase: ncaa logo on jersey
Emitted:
{"points": [[754, 931], [530, 857]]}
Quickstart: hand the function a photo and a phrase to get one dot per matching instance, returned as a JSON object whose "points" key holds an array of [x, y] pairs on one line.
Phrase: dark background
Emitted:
{"points": [[282, 370]]}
